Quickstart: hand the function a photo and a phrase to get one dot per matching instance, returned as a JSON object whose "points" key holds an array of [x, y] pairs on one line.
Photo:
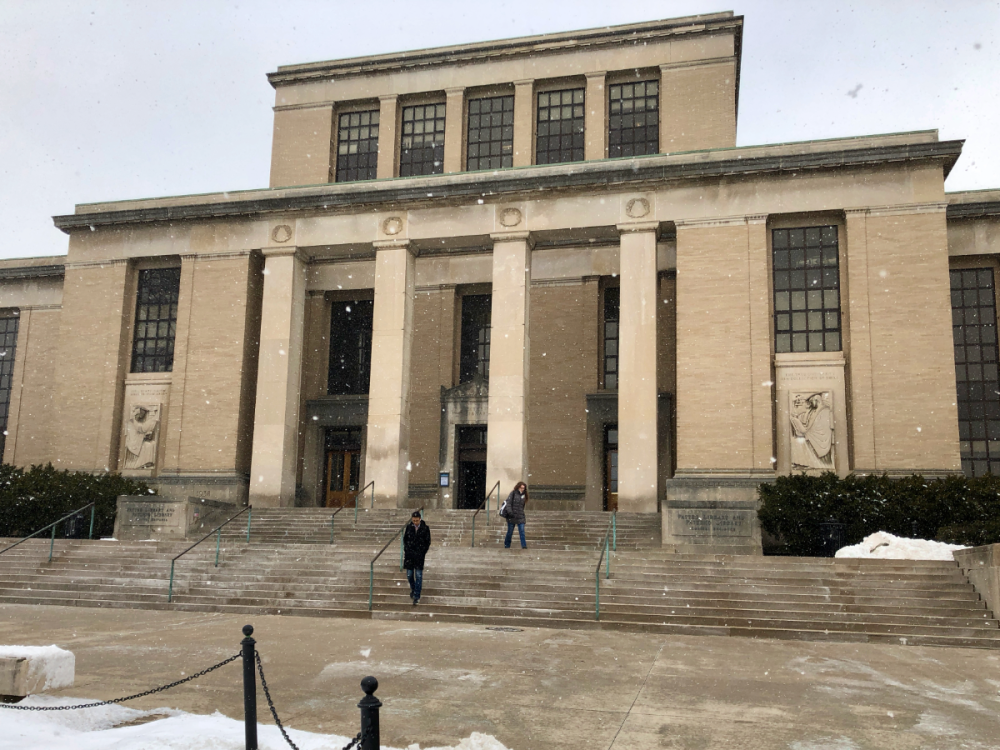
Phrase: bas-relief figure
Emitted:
{"points": [[141, 433], [811, 418]]}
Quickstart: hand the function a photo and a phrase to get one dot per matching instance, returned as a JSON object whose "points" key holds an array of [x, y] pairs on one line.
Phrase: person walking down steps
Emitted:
{"points": [[416, 542], [513, 511]]}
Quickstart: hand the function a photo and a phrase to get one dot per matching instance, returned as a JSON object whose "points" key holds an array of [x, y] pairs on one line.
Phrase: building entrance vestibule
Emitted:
{"points": [[471, 490], [343, 467], [611, 467]]}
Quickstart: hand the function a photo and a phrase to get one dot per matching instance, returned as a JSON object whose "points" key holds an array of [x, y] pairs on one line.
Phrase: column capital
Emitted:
{"points": [[756, 218], [283, 252], [525, 82], [514, 237], [388, 97], [454, 91], [597, 74], [392, 244], [639, 226]]}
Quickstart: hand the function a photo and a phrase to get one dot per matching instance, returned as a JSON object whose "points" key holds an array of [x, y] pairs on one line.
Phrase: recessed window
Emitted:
{"points": [[422, 144], [806, 290], [8, 347], [974, 328], [491, 133], [634, 119], [559, 131], [474, 361], [357, 146], [612, 300], [350, 347], [155, 320]]}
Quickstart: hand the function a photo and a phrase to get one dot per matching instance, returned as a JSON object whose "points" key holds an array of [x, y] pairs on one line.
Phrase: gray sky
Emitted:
{"points": [[114, 100]]}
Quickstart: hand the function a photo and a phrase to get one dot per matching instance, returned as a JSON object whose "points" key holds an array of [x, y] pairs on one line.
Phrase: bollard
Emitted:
{"points": [[369, 706], [249, 688]]}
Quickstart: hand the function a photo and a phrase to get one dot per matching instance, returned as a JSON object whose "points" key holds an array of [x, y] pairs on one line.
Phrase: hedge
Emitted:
{"points": [[953, 509], [30, 500]]}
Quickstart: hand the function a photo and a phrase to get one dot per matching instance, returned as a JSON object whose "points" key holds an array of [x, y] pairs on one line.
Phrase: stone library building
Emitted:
{"points": [[540, 259]]}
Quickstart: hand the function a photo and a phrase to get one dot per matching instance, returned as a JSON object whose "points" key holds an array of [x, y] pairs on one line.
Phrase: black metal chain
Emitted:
{"points": [[202, 673], [274, 712]]}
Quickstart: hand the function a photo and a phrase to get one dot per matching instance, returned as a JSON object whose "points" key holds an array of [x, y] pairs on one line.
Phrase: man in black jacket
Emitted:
{"points": [[416, 542]]}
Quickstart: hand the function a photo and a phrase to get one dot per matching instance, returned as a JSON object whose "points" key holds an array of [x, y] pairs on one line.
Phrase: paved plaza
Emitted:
{"points": [[539, 688]]}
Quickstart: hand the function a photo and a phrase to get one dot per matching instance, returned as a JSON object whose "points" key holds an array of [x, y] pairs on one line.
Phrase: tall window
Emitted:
{"points": [[491, 133], [559, 133], [806, 290], [155, 320], [8, 347], [474, 359], [350, 347], [422, 145], [612, 298], [974, 327], [634, 119], [357, 146]]}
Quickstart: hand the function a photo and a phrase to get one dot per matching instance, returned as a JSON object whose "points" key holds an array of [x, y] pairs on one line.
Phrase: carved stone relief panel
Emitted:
{"points": [[142, 426], [810, 417], [811, 422]]}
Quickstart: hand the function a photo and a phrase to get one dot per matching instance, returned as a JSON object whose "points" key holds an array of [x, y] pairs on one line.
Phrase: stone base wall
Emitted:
{"points": [[168, 518]]}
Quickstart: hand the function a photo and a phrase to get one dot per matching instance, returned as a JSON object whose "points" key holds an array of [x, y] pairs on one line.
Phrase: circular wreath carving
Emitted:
{"points": [[281, 233], [637, 208], [510, 217], [392, 225]]}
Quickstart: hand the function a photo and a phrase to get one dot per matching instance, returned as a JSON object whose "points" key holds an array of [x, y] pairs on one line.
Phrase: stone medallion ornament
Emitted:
{"points": [[281, 233], [510, 217], [392, 226], [637, 208]]}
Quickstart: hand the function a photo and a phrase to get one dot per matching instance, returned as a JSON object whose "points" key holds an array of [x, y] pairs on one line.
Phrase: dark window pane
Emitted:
{"points": [[474, 362], [357, 147], [350, 347], [634, 135], [8, 345], [497, 149], [555, 109], [422, 141], [811, 289], [155, 320], [612, 302]]}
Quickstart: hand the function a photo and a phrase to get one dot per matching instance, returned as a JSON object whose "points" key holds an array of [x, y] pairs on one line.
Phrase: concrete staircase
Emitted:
{"points": [[289, 567]]}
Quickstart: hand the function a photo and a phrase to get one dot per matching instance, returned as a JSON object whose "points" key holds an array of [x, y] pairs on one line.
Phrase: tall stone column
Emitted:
{"points": [[453, 129], [594, 122], [276, 415], [524, 122], [388, 442], [637, 394], [762, 389], [507, 423], [854, 305], [387, 137]]}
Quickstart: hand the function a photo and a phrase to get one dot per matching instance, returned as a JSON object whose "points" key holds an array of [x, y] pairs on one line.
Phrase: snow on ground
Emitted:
{"points": [[120, 728], [49, 667], [884, 546]]}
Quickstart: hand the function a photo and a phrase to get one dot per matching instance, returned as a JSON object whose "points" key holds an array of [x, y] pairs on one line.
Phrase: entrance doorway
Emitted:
{"points": [[611, 467], [343, 466], [471, 490]]}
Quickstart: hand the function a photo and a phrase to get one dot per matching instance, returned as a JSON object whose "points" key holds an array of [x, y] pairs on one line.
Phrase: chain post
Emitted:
{"points": [[369, 706], [249, 688], [249, 519], [218, 541], [52, 544], [93, 508], [170, 591]]}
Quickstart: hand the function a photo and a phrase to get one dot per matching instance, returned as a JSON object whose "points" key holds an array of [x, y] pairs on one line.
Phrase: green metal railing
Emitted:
{"points": [[358, 494], [53, 526], [371, 566], [610, 537], [218, 542], [331, 521], [486, 502]]}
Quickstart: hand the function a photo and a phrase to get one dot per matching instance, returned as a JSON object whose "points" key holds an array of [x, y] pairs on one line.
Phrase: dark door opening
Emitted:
{"points": [[611, 467], [343, 467], [471, 440]]}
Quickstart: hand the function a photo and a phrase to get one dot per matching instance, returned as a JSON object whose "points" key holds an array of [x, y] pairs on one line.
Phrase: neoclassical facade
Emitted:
{"points": [[541, 259]]}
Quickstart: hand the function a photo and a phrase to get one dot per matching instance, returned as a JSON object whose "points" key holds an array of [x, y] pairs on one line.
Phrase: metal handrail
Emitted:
{"points": [[52, 544], [218, 540], [359, 493], [605, 558], [486, 501], [331, 521], [371, 565]]}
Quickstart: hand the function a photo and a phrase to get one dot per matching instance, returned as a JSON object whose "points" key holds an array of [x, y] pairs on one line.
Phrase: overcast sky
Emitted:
{"points": [[115, 100]]}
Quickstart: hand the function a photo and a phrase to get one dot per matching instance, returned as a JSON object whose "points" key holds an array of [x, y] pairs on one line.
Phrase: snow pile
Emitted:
{"points": [[49, 667], [124, 728], [884, 546]]}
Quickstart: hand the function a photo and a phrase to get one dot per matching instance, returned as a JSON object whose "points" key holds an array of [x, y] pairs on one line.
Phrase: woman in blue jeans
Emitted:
{"points": [[514, 513]]}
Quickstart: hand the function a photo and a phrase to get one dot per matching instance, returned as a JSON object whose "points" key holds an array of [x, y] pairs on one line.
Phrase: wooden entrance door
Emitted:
{"points": [[611, 467], [343, 470]]}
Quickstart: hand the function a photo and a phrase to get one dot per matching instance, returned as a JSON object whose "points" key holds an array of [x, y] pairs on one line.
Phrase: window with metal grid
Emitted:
{"points": [[350, 347], [474, 359], [634, 119], [357, 146], [974, 328], [422, 144], [559, 132], [806, 289], [155, 320], [612, 298], [491, 133], [8, 346]]}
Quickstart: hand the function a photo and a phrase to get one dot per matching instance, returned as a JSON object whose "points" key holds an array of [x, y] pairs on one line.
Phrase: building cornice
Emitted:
{"points": [[609, 173], [973, 210], [33, 272]]}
